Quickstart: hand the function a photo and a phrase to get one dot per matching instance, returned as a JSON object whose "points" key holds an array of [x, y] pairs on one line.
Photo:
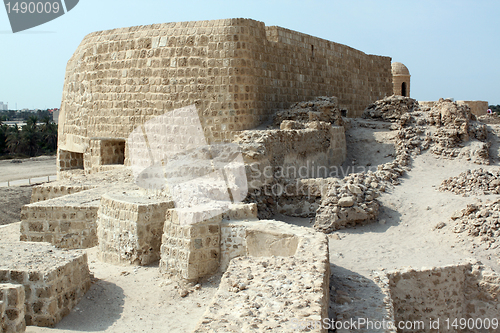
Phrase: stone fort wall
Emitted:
{"points": [[236, 71]]}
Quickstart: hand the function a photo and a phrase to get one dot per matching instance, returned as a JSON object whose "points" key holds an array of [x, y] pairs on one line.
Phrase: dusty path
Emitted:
{"points": [[27, 168]]}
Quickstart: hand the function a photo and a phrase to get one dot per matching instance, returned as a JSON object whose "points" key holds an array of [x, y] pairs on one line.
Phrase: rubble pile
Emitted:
{"points": [[391, 108], [479, 221], [492, 118], [448, 129], [475, 182], [324, 109], [353, 200], [349, 202]]}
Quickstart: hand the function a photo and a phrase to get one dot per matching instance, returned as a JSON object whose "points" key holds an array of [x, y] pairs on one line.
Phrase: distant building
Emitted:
{"points": [[55, 116], [4, 107]]}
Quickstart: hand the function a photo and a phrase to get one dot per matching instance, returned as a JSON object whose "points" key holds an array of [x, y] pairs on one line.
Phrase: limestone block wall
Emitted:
{"points": [[291, 153], [291, 67], [50, 191], [53, 280], [476, 107], [12, 299], [190, 246], [236, 72], [69, 160], [130, 228], [461, 291], [66, 222]]}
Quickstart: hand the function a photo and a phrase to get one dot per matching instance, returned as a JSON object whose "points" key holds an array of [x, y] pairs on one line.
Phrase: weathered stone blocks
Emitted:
{"points": [[104, 154], [130, 227], [53, 280], [469, 291], [12, 313], [191, 244], [66, 222], [278, 275]]}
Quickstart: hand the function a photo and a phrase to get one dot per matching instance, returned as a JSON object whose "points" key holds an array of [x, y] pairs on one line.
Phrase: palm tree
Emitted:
{"points": [[14, 140], [3, 137], [30, 136], [49, 135]]}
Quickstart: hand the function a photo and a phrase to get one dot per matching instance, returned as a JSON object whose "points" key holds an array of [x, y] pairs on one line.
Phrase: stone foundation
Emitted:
{"points": [[52, 191], [12, 299], [66, 222], [130, 227], [190, 249], [278, 279], [467, 291], [292, 153], [54, 280]]}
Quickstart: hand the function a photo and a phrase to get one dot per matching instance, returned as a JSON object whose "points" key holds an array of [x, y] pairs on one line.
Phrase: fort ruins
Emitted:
{"points": [[178, 145]]}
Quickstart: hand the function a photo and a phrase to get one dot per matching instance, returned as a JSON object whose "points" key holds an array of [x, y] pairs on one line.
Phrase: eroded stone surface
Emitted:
{"points": [[54, 280], [12, 298], [281, 280]]}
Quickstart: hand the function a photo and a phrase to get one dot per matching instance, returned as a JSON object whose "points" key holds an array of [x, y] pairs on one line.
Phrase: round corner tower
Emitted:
{"points": [[400, 79]]}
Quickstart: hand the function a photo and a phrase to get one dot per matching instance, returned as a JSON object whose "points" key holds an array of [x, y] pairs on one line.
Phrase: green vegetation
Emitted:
{"points": [[30, 140]]}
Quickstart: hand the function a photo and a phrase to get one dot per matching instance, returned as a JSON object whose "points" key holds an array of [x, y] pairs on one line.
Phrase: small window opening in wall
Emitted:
{"points": [[112, 151], [403, 89], [312, 50]]}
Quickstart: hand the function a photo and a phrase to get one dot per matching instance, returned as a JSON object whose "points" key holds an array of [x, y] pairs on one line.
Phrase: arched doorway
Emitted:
{"points": [[403, 89]]}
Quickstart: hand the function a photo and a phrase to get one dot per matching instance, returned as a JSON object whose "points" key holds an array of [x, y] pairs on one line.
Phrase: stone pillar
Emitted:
{"points": [[130, 227], [191, 243]]}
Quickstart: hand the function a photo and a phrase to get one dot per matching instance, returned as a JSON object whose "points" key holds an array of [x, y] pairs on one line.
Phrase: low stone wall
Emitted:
{"points": [[191, 244], [441, 295], [278, 280], [12, 299], [51, 191], [66, 222], [291, 153], [53, 280], [130, 228], [478, 108]]}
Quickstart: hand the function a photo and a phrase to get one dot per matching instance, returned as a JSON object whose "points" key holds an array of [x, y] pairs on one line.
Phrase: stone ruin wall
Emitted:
{"points": [[478, 108], [236, 71], [467, 291]]}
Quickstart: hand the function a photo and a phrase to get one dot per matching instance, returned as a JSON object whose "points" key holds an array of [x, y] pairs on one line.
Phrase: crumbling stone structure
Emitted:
{"points": [[467, 291], [51, 282], [237, 72]]}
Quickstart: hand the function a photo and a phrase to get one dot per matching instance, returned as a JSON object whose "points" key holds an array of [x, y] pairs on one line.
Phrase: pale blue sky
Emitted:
{"points": [[452, 48]]}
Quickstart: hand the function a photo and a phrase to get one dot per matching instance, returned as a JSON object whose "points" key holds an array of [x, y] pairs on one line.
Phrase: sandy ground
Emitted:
{"points": [[12, 198], [130, 299]]}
